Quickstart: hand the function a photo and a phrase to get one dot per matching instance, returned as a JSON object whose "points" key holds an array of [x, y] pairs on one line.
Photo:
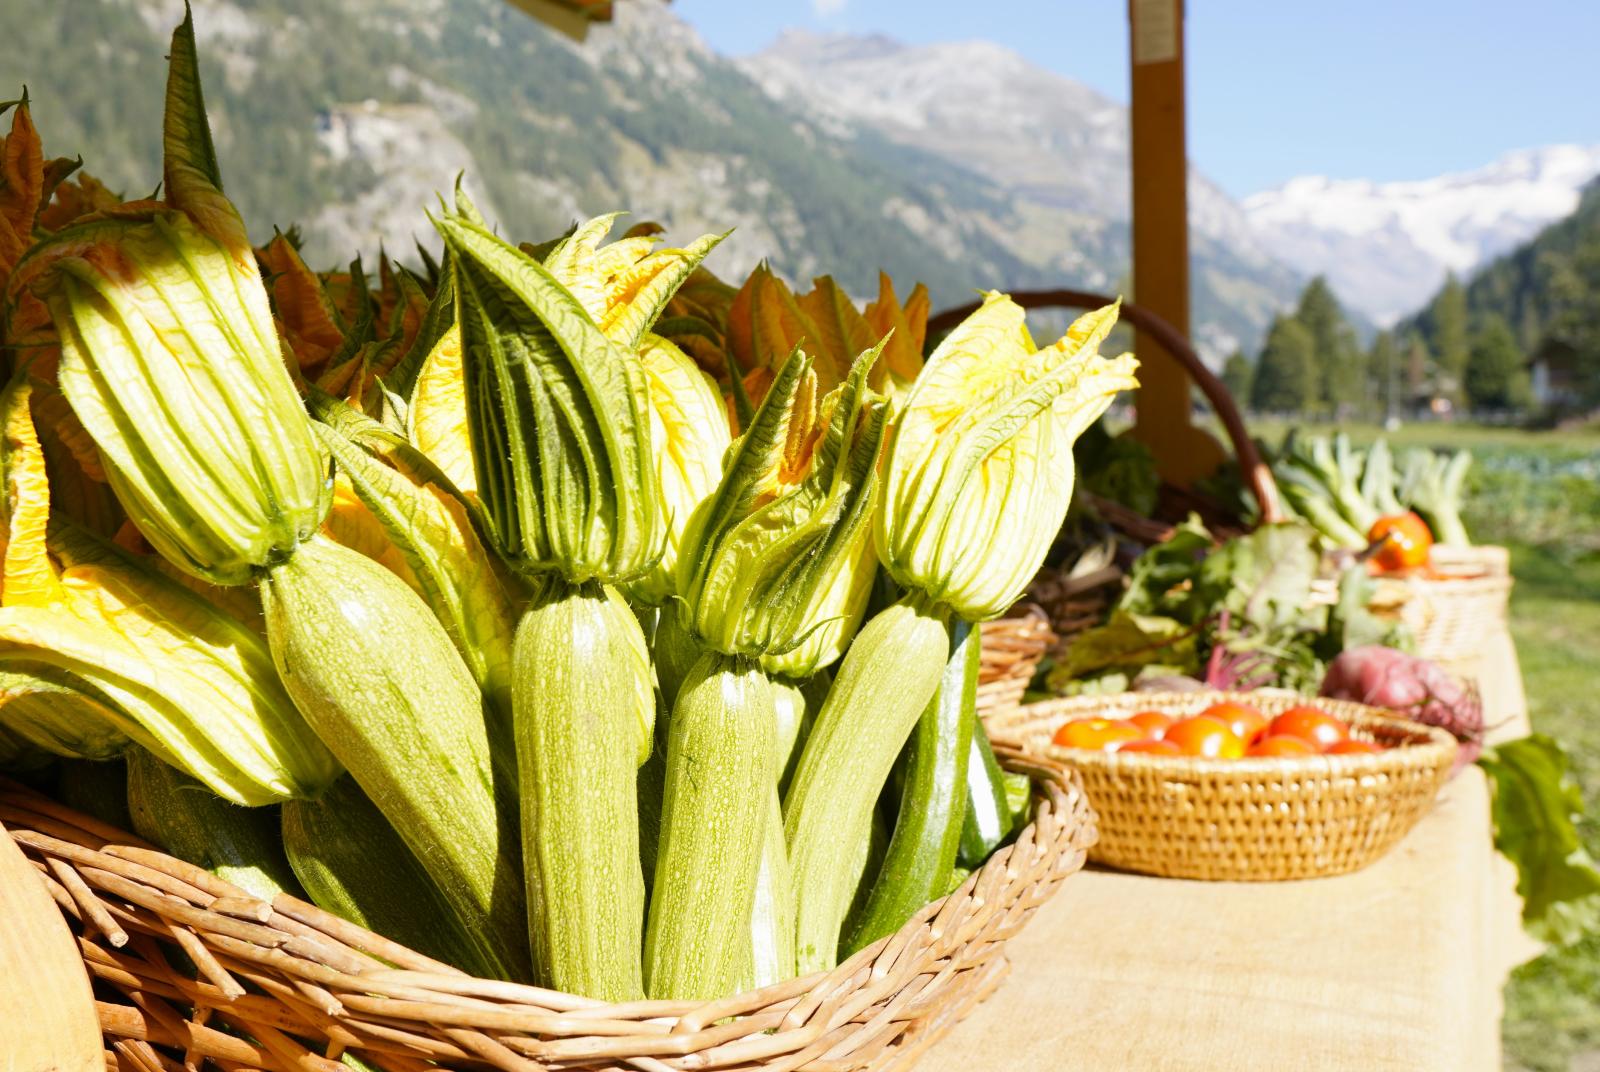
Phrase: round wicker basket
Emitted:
{"points": [[1245, 819], [194, 974]]}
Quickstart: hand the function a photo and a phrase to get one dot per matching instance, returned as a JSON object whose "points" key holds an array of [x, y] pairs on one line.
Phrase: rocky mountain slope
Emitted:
{"points": [[965, 168], [1057, 150]]}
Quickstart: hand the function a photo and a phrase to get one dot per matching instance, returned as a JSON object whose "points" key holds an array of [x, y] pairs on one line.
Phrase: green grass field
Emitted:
{"points": [[1539, 494]]}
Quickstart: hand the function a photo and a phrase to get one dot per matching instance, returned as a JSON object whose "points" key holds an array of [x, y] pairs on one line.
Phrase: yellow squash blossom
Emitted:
{"points": [[980, 470], [689, 438], [121, 651], [778, 562]]}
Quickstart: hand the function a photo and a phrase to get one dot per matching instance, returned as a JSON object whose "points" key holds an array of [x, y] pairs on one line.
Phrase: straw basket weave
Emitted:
{"points": [[287, 987], [1252, 819], [1459, 604], [1009, 657]]}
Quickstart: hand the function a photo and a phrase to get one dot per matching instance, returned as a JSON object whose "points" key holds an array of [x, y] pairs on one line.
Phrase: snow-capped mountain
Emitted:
{"points": [[1386, 247]]}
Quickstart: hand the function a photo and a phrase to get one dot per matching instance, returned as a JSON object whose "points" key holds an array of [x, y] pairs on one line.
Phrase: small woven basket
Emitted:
{"points": [[286, 987], [1252, 819], [1459, 604], [1009, 657]]}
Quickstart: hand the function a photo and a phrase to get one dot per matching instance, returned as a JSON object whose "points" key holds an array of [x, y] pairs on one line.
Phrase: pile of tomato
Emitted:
{"points": [[1225, 730]]}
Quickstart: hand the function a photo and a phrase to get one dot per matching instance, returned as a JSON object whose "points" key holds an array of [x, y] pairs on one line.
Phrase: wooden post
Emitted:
{"points": [[1183, 453]]}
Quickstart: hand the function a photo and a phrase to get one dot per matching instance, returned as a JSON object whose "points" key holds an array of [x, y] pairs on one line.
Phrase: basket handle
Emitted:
{"points": [[1257, 475]]}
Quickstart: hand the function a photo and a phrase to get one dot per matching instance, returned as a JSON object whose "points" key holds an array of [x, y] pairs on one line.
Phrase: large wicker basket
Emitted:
{"points": [[1260, 819], [194, 974]]}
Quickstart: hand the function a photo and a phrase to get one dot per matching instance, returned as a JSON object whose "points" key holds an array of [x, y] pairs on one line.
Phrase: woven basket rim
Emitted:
{"points": [[876, 1009], [1249, 819], [1428, 746]]}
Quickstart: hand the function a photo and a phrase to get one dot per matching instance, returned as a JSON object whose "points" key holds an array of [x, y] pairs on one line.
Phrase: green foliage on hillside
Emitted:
{"points": [[1547, 289]]}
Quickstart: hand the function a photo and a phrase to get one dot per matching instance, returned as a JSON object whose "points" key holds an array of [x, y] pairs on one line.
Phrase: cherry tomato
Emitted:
{"points": [[1282, 745], [1311, 724], [1152, 746], [1353, 747], [1247, 724], [1203, 735], [1154, 723], [1097, 734], [1405, 540]]}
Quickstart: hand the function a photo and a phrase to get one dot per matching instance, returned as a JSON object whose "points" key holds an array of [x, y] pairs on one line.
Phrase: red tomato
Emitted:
{"points": [[1097, 734], [1203, 735], [1353, 747], [1154, 723], [1247, 724], [1153, 747], [1404, 540], [1311, 724], [1282, 746]]}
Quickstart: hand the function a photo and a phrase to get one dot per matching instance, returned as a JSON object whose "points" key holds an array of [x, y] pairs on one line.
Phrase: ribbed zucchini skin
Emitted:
{"points": [[583, 710], [377, 678], [988, 818], [721, 760], [353, 864], [240, 845], [771, 948], [884, 683], [933, 801]]}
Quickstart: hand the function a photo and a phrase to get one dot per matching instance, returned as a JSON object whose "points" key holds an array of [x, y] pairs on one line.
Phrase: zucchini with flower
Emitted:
{"points": [[980, 457], [171, 360], [775, 577], [560, 441]]}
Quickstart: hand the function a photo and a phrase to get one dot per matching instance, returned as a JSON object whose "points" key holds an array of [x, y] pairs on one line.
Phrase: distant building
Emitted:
{"points": [[1553, 373]]}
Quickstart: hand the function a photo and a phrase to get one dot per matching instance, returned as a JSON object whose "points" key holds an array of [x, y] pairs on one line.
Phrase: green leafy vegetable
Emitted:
{"points": [[1535, 803]]}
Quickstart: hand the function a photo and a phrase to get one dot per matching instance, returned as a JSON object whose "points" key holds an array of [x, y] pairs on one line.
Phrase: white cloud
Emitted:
{"points": [[824, 8]]}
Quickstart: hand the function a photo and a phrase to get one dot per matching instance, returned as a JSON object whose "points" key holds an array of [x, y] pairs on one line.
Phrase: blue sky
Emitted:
{"points": [[1379, 89]]}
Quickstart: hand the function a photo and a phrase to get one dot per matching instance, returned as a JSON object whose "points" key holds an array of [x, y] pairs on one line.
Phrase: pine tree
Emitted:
{"points": [[1335, 352], [1450, 340], [1237, 372], [1383, 375], [1496, 376], [1418, 359], [1286, 375]]}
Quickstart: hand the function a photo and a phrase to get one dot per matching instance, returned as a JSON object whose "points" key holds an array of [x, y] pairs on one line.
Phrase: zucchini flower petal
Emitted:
{"points": [[425, 536], [980, 471], [771, 563], [690, 437], [560, 418], [144, 657], [170, 358], [438, 413]]}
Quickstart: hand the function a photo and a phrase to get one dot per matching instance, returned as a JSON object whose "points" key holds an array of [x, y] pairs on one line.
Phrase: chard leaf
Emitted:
{"points": [[1535, 804]]}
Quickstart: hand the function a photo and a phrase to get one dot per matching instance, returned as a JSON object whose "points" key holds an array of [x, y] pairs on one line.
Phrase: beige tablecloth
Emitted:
{"points": [[1397, 967]]}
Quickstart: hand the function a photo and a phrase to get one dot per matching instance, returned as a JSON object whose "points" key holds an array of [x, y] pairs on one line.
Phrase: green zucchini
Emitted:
{"points": [[933, 801], [721, 767], [353, 864], [95, 788], [674, 651], [797, 704], [584, 712], [650, 785], [884, 683], [178, 813], [377, 678], [988, 820], [771, 947]]}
